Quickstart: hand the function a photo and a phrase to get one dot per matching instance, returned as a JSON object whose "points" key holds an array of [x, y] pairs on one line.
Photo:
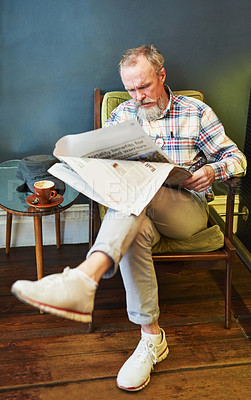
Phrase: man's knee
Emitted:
{"points": [[147, 233]]}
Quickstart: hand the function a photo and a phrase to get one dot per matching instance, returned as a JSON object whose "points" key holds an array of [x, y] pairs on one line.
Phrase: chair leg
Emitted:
{"points": [[91, 327], [57, 228], [39, 245], [228, 294]]}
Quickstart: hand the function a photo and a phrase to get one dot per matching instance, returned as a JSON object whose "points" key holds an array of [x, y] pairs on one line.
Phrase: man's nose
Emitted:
{"points": [[139, 95]]}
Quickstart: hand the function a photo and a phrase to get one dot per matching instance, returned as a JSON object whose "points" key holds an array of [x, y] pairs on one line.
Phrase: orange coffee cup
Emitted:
{"points": [[44, 191]]}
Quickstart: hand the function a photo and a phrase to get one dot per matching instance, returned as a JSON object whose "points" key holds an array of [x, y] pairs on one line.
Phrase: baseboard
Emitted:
{"points": [[74, 224]]}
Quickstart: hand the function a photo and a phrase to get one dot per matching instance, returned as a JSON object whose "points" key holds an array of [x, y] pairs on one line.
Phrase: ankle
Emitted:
{"points": [[96, 265], [155, 338], [152, 329]]}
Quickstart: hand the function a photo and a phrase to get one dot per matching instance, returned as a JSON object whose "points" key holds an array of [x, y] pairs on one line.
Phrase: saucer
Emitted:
{"points": [[55, 201]]}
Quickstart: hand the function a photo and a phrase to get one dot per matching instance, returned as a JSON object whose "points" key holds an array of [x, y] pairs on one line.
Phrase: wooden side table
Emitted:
{"points": [[14, 202]]}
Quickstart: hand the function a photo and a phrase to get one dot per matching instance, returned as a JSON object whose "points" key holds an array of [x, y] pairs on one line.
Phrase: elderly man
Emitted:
{"points": [[189, 132]]}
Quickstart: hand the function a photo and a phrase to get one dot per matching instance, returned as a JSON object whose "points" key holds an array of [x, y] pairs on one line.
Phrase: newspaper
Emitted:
{"points": [[120, 166]]}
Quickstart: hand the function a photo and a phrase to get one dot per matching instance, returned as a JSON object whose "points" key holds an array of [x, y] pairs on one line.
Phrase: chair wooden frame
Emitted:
{"points": [[227, 253]]}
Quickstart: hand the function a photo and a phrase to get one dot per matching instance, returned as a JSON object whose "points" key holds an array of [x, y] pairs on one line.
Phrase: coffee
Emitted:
{"points": [[44, 184]]}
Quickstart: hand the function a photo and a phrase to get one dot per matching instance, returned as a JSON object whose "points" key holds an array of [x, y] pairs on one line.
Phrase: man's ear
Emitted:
{"points": [[162, 75]]}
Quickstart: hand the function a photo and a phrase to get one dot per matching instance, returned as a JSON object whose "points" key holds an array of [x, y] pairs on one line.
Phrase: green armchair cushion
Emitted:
{"points": [[209, 239], [110, 101]]}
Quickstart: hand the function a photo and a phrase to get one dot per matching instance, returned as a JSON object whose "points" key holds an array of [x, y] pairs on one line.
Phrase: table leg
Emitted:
{"points": [[57, 227], [39, 245], [8, 232]]}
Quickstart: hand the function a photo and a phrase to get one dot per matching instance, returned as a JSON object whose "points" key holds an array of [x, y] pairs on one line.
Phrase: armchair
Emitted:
{"points": [[209, 245]]}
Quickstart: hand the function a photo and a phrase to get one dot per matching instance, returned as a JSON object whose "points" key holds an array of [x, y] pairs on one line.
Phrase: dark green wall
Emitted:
{"points": [[54, 52]]}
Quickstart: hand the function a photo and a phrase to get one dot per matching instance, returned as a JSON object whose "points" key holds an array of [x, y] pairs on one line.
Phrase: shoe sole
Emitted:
{"points": [[134, 389], [60, 312], [161, 357]]}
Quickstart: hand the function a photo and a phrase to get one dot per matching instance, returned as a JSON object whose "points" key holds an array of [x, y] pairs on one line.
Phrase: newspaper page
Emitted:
{"points": [[120, 166], [123, 141]]}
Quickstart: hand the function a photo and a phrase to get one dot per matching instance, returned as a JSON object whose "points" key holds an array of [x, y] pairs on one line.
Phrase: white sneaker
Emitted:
{"points": [[135, 373], [69, 294]]}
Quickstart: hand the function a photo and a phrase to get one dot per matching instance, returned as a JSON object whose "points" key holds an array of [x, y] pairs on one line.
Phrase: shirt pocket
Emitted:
{"points": [[182, 149]]}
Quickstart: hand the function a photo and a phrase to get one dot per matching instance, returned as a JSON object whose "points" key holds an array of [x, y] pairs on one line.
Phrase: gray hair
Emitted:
{"points": [[152, 54]]}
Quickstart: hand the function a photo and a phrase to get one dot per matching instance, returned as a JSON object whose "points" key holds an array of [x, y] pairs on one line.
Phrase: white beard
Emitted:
{"points": [[151, 113]]}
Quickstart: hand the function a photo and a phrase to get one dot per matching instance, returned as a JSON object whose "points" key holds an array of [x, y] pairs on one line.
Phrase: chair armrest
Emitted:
{"points": [[233, 183]]}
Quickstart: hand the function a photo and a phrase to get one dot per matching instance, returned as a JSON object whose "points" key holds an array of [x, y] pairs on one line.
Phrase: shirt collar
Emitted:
{"points": [[168, 107]]}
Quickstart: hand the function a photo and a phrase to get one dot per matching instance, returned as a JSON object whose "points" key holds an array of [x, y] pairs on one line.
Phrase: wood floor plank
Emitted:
{"points": [[29, 347], [230, 383], [14, 324], [82, 359]]}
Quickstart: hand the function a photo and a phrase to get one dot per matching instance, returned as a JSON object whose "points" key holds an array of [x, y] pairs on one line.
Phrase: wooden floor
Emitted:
{"points": [[45, 357]]}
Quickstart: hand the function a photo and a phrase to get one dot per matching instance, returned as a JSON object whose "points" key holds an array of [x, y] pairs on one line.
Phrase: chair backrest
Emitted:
{"points": [[111, 100]]}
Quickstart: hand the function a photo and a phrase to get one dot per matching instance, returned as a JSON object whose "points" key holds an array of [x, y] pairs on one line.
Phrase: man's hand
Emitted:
{"points": [[201, 180]]}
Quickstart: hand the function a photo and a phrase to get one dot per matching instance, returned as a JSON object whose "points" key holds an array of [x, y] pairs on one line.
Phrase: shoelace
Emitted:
{"points": [[147, 350], [59, 280]]}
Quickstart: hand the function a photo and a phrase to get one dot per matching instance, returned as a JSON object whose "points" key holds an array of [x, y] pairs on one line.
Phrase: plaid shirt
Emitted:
{"points": [[191, 134]]}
